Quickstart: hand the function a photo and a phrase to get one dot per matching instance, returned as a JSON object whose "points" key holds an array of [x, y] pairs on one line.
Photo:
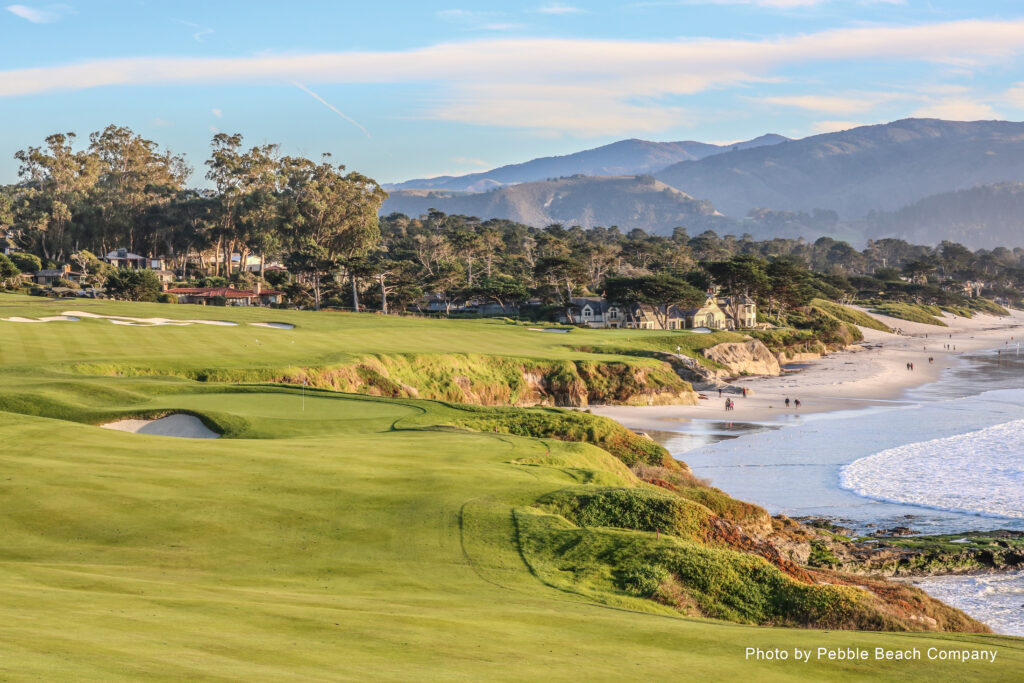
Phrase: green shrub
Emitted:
{"points": [[644, 579]]}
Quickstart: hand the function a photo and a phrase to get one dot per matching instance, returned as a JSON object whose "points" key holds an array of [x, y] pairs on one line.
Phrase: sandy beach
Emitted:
{"points": [[873, 372]]}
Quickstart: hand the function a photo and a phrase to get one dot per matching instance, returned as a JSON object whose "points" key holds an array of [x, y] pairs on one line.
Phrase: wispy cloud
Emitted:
{"points": [[834, 126], [198, 29], [217, 112], [958, 109], [330, 106], [577, 87], [559, 8], [479, 20], [40, 15], [832, 104]]}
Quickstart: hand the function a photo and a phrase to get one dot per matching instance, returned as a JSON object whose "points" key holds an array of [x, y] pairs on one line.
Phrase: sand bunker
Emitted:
{"points": [[51, 319], [149, 322], [182, 426], [275, 326]]}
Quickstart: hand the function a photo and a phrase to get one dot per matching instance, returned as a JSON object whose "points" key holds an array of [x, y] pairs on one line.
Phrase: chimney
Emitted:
{"points": [[259, 287]]}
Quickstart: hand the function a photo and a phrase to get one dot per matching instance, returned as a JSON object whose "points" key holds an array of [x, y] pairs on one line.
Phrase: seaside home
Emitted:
{"points": [[48, 276], [740, 312], [122, 258], [594, 311], [709, 315]]}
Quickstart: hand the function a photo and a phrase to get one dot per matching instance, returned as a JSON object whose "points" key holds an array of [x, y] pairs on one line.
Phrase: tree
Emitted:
{"points": [[134, 176], [56, 180], [133, 285], [8, 271], [660, 292], [330, 214], [790, 284], [25, 262]]}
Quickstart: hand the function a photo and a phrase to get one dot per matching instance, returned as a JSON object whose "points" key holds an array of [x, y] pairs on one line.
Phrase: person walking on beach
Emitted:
{"points": [[787, 401], [797, 404], [719, 392]]}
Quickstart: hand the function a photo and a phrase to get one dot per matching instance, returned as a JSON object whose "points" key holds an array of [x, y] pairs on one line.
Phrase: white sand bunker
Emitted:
{"points": [[182, 426], [148, 322], [50, 319], [275, 326]]}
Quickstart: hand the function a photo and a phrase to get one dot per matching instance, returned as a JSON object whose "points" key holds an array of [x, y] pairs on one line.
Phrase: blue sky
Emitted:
{"points": [[399, 90]]}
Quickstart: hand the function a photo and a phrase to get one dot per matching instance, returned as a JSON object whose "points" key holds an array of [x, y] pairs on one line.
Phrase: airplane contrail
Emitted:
{"points": [[331, 107]]}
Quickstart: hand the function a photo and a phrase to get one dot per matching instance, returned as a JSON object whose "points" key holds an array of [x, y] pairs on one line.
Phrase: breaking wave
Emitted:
{"points": [[978, 473]]}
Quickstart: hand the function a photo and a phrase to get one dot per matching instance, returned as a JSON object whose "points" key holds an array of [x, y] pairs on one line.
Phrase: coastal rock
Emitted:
{"points": [[745, 358]]}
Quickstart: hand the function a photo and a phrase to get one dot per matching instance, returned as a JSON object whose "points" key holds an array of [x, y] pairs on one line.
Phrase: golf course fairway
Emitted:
{"points": [[327, 535]]}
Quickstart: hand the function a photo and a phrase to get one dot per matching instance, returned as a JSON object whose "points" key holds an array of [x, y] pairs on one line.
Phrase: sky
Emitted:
{"points": [[399, 90]]}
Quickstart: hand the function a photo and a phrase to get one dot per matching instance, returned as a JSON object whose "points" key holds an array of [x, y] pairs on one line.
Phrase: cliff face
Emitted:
{"points": [[500, 381], [745, 358]]}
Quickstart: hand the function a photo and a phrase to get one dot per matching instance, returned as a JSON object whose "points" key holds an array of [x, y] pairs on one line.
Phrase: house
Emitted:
{"points": [[595, 312], [122, 258], [6, 244], [709, 315], [166, 277], [230, 295], [729, 313], [740, 312], [48, 276]]}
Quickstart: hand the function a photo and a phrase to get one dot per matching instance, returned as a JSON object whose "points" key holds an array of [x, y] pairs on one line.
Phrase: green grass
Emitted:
{"points": [[337, 536], [849, 315], [917, 313]]}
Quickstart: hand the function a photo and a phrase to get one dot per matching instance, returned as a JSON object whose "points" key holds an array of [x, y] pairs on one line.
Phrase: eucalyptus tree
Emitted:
{"points": [[56, 181], [333, 211], [135, 177]]}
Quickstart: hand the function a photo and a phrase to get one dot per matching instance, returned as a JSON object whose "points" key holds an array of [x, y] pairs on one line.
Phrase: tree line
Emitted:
{"points": [[74, 202]]}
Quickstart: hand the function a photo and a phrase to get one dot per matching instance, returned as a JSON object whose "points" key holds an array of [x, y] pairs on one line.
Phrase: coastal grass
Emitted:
{"points": [[340, 536], [849, 315], [917, 313]]}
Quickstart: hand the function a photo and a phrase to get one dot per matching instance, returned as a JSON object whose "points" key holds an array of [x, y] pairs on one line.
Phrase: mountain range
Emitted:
{"points": [[625, 157], [577, 200], [924, 179]]}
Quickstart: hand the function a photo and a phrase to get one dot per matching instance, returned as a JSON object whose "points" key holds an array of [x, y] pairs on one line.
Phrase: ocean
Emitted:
{"points": [[947, 458]]}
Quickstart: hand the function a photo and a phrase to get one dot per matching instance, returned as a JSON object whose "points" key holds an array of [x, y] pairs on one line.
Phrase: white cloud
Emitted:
{"points": [[559, 8], [217, 112], [1015, 95], [957, 109], [39, 15], [568, 86], [834, 126], [471, 162], [831, 104]]}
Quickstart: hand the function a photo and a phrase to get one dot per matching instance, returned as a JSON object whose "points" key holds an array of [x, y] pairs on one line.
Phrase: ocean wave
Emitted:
{"points": [[979, 473], [993, 599]]}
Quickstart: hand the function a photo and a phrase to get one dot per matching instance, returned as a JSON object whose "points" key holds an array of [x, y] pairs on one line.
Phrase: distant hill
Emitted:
{"points": [[883, 167], [986, 216], [629, 202], [626, 157]]}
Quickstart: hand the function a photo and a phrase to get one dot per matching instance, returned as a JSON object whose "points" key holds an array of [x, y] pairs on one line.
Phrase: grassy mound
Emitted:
{"points": [[917, 313], [566, 425], [849, 315], [631, 508]]}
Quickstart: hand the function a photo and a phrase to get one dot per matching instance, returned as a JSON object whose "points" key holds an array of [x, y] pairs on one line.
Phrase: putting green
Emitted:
{"points": [[334, 537]]}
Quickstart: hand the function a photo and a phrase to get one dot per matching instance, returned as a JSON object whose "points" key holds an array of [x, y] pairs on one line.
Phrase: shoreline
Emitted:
{"points": [[871, 373]]}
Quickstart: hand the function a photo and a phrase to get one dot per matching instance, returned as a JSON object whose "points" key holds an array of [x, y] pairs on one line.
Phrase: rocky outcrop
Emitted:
{"points": [[745, 358]]}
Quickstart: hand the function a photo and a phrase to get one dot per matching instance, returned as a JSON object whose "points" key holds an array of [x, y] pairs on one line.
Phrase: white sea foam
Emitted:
{"points": [[978, 472], [993, 599]]}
